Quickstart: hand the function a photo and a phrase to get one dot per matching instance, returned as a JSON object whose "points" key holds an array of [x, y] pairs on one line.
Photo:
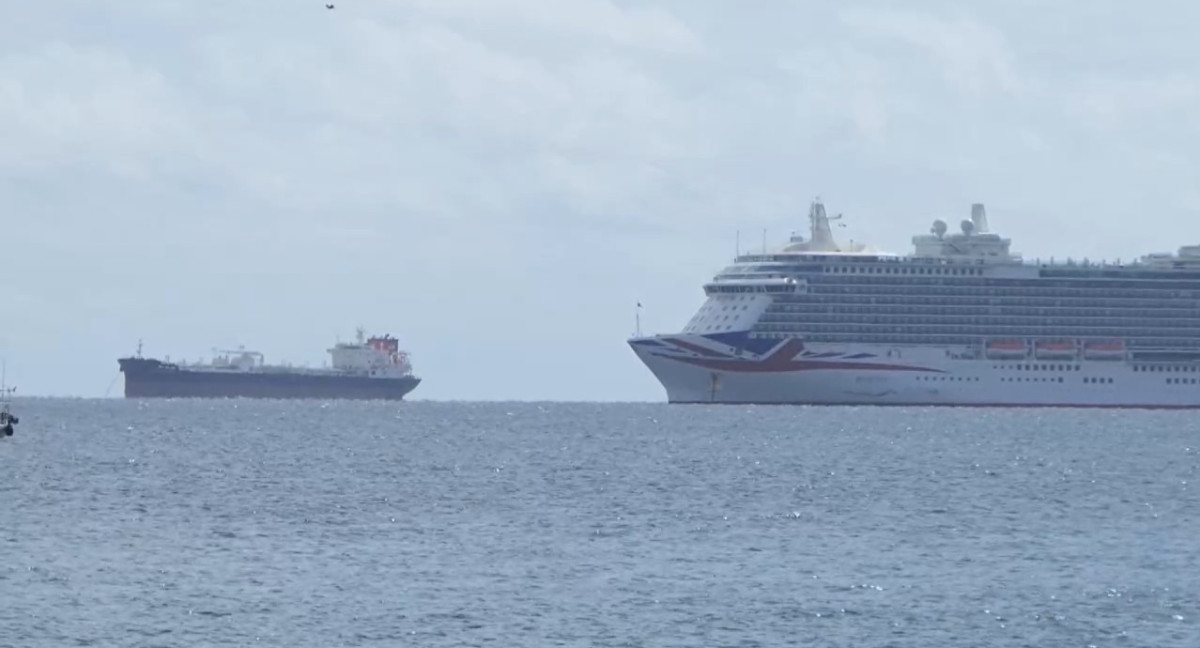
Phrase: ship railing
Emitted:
{"points": [[1085, 262]]}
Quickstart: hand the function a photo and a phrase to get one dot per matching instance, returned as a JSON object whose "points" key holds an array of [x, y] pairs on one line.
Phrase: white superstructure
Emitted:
{"points": [[376, 357], [960, 321]]}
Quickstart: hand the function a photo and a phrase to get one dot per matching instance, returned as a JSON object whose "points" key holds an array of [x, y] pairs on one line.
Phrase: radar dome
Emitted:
{"points": [[968, 227], [939, 228]]}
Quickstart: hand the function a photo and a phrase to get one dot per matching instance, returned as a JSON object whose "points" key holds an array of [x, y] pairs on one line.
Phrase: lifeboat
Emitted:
{"points": [[1104, 350], [1007, 349], [1056, 349]]}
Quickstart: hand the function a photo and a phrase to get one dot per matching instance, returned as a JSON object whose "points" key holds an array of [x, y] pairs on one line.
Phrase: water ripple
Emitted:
{"points": [[361, 524]]}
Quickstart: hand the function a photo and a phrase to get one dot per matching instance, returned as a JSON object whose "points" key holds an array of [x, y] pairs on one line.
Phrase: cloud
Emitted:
{"points": [[974, 57], [475, 116], [575, 25], [64, 105], [1108, 102], [496, 181]]}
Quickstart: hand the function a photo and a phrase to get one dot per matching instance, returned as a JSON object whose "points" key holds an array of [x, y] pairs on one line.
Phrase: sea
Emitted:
{"points": [[268, 523]]}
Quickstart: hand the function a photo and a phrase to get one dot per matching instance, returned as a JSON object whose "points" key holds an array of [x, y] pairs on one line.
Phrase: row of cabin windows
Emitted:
{"points": [[939, 308], [972, 291], [780, 288], [1039, 367], [1042, 272], [987, 329], [948, 340], [1033, 379], [845, 325], [895, 317], [712, 309], [934, 314], [1065, 266], [1167, 368], [1094, 380], [974, 299], [919, 284], [901, 270], [923, 283]]}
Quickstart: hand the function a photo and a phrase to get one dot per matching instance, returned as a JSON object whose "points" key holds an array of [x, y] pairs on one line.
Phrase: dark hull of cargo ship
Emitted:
{"points": [[147, 378]]}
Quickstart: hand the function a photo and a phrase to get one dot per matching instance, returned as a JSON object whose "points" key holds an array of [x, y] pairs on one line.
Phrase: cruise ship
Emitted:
{"points": [[961, 320]]}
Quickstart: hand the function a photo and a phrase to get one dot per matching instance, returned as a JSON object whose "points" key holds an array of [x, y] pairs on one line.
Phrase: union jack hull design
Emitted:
{"points": [[745, 354]]}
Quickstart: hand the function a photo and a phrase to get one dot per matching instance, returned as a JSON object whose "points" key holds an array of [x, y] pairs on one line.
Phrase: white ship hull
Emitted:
{"points": [[701, 369]]}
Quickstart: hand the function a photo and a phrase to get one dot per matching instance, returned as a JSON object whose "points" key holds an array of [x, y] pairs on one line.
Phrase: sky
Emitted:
{"points": [[498, 182]]}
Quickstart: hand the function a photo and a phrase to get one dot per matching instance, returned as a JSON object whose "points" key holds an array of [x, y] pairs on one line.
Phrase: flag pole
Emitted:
{"points": [[637, 320]]}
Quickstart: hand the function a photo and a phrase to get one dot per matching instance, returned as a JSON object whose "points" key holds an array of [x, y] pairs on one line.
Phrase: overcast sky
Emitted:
{"points": [[496, 182]]}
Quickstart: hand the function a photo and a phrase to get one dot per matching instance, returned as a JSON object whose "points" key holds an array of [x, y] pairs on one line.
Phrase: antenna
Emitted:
{"points": [[737, 244], [5, 390], [764, 240]]}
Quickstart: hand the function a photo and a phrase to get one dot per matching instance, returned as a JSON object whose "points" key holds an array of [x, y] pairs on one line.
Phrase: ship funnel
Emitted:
{"points": [[979, 218], [820, 235]]}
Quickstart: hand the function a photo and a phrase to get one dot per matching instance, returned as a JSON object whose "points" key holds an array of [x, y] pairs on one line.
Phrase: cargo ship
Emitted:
{"points": [[372, 368]]}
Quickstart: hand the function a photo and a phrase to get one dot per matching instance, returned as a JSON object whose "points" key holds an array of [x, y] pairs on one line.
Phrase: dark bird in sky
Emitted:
{"points": [[329, 6]]}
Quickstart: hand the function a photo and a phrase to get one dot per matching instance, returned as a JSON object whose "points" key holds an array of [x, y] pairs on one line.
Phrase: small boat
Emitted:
{"points": [[1009, 349], [1104, 350], [1060, 349], [7, 418]]}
